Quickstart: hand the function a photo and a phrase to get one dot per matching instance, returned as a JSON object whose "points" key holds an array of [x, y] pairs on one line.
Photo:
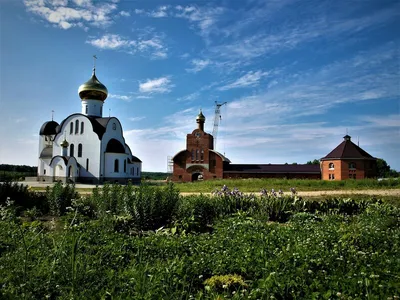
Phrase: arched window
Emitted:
{"points": [[71, 128], [76, 126], [71, 150], [80, 150], [197, 154], [87, 164], [202, 155], [125, 166], [82, 127], [116, 166], [114, 126], [331, 166], [352, 165], [86, 109], [193, 154]]}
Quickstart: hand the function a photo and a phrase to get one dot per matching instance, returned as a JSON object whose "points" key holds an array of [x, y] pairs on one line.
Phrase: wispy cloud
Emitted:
{"points": [[250, 79], [189, 98], [152, 47], [81, 13], [198, 65], [136, 119], [120, 97], [157, 85]]}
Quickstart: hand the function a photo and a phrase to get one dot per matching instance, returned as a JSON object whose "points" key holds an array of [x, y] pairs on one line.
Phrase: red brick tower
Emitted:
{"points": [[198, 160]]}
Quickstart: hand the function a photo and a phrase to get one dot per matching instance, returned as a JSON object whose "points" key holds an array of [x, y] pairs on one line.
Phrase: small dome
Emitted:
{"points": [[93, 89], [48, 128], [64, 143], [200, 117]]}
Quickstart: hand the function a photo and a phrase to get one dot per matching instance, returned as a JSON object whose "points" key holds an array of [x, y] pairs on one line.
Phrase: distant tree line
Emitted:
{"points": [[18, 168]]}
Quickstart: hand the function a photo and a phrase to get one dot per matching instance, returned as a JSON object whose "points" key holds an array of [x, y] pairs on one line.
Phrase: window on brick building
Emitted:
{"points": [[331, 166], [352, 166], [202, 155], [331, 176], [197, 154], [193, 154]]}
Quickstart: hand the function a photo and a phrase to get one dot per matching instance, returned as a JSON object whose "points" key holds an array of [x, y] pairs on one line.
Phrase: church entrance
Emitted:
{"points": [[70, 174], [197, 176]]}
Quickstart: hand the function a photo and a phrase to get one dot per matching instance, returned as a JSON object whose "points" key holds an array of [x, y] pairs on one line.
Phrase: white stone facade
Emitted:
{"points": [[85, 147]]}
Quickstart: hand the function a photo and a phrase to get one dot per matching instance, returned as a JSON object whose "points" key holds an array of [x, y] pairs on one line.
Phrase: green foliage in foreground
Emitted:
{"points": [[105, 247], [253, 185]]}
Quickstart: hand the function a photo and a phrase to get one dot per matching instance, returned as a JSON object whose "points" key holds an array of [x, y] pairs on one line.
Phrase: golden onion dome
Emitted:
{"points": [[64, 143], [200, 117], [93, 89]]}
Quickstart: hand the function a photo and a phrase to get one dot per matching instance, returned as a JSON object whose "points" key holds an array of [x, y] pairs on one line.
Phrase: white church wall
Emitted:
{"points": [[110, 165], [113, 131], [89, 140]]}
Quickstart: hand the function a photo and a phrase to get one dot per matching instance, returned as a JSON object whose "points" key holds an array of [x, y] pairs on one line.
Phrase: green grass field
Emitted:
{"points": [[255, 185], [125, 242]]}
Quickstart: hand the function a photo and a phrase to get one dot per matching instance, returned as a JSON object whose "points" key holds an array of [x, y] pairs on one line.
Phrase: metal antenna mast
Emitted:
{"points": [[217, 118]]}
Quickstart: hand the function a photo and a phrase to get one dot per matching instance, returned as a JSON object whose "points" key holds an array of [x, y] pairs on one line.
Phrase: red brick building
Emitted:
{"points": [[200, 161], [348, 161]]}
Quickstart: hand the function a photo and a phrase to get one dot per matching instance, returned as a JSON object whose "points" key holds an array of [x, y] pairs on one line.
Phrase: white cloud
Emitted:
{"points": [[189, 98], [124, 13], [120, 97], [198, 65], [136, 119], [251, 78], [83, 13], [143, 97], [161, 12], [152, 47], [157, 85], [111, 41]]}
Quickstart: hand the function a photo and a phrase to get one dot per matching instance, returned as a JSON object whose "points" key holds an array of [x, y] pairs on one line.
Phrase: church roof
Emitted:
{"points": [[48, 128], [224, 158], [135, 159], [347, 150], [99, 124], [273, 168], [47, 152]]}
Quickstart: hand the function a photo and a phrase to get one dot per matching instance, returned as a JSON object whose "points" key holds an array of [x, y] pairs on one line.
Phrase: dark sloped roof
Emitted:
{"points": [[348, 150], [48, 128], [115, 146], [224, 158], [47, 152], [272, 168], [99, 124], [135, 159]]}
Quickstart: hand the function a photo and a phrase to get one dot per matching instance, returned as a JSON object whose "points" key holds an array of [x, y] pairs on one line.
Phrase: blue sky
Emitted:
{"points": [[297, 74]]}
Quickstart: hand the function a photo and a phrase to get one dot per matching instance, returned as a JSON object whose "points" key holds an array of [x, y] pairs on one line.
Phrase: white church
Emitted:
{"points": [[86, 147]]}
